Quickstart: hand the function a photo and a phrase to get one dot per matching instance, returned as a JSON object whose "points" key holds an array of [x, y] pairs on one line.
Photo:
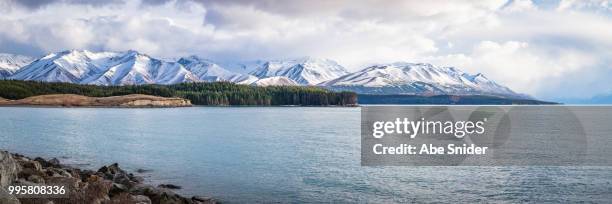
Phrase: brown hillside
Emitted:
{"points": [[133, 100]]}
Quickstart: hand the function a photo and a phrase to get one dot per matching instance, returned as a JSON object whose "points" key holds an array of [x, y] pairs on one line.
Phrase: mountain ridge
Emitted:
{"points": [[132, 68], [10, 63], [418, 79]]}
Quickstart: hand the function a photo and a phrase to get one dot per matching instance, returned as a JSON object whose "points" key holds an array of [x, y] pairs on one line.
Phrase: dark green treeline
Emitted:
{"points": [[216, 93]]}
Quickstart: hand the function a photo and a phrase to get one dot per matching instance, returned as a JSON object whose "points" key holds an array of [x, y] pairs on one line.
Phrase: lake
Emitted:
{"points": [[273, 154]]}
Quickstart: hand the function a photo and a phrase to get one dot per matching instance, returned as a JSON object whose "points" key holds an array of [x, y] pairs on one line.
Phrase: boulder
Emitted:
{"points": [[110, 184], [54, 162], [85, 174], [71, 183], [6, 198], [36, 179], [8, 169], [131, 199], [169, 186], [142, 171], [95, 192], [203, 200], [140, 199], [26, 173], [51, 163], [119, 176], [159, 195], [117, 189], [57, 172], [29, 164]]}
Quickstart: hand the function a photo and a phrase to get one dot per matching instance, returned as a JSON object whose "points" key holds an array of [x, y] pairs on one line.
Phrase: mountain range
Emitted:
{"points": [[10, 63], [131, 67]]}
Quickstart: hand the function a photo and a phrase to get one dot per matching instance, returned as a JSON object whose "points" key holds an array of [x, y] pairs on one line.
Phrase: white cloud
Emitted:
{"points": [[518, 65], [585, 4], [520, 6]]}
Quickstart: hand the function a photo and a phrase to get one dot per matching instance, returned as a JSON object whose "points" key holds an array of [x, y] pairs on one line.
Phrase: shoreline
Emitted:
{"points": [[108, 184], [123, 101]]}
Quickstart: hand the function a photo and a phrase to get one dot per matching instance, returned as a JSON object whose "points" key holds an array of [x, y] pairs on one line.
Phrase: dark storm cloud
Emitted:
{"points": [[32, 4], [36, 4]]}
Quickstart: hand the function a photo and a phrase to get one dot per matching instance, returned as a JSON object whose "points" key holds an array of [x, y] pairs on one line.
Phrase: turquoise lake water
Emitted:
{"points": [[275, 154]]}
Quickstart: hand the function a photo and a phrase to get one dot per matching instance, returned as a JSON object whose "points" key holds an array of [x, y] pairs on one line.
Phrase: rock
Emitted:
{"points": [[131, 199], [118, 175], [159, 195], [95, 192], [85, 174], [123, 179], [203, 200], [8, 169], [29, 164], [169, 186], [71, 183], [75, 173], [6, 198], [117, 189], [94, 178], [140, 199], [24, 182], [110, 170], [51, 163], [36, 179], [110, 184], [57, 172], [54, 162], [141, 171], [136, 179], [26, 173]]}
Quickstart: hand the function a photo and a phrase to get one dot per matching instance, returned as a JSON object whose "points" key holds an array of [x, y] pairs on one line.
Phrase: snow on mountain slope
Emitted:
{"points": [[275, 81], [10, 63], [418, 79], [104, 68], [68, 66], [242, 67], [132, 67], [304, 71], [208, 71]]}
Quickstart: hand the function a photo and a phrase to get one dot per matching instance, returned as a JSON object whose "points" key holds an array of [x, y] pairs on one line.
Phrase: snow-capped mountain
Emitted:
{"points": [[123, 68], [304, 71], [104, 68], [275, 81], [241, 66], [208, 71], [132, 67], [10, 63], [418, 79]]}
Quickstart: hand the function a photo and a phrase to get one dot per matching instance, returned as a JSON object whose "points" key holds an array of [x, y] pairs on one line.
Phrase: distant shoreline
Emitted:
{"points": [[73, 100]]}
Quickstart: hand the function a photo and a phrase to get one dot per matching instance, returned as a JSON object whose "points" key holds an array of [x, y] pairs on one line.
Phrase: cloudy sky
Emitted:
{"points": [[549, 49]]}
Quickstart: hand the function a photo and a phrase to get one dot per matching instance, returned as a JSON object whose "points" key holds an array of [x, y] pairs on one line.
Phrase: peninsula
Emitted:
{"points": [[73, 100]]}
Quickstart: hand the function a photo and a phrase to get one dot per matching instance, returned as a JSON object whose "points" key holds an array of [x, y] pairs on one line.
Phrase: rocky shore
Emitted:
{"points": [[72, 100], [108, 185]]}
